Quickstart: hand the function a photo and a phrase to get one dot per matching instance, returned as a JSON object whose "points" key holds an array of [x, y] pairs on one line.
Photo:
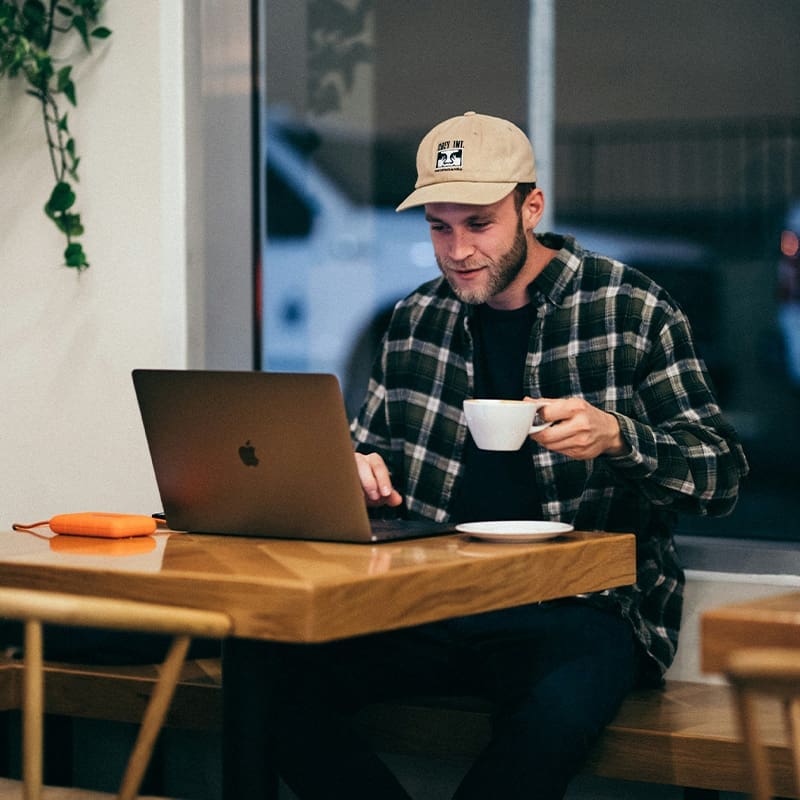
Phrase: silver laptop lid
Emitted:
{"points": [[252, 453]]}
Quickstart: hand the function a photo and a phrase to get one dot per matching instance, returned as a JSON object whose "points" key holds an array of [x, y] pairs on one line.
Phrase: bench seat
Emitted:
{"points": [[684, 734], [120, 693]]}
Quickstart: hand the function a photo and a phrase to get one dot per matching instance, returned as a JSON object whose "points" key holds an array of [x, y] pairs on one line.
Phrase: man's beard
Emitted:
{"points": [[501, 273]]}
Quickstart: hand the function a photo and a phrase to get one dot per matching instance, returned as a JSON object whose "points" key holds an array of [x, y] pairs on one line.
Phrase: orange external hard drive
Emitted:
{"points": [[107, 526]]}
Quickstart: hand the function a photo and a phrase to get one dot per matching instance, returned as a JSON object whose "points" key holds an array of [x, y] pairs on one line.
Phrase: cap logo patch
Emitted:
{"points": [[449, 156]]}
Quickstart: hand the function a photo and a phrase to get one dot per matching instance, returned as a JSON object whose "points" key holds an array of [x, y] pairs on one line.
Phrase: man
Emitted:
{"points": [[637, 436]]}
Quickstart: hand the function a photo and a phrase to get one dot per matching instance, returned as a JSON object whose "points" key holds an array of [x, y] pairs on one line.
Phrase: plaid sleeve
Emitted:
{"points": [[369, 430], [683, 452]]}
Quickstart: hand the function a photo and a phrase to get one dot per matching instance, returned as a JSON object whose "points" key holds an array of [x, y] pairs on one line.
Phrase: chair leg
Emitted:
{"points": [[154, 717], [33, 712]]}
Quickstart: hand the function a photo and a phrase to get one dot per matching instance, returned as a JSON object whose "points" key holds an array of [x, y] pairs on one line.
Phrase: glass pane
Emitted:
{"points": [[678, 141], [350, 89], [678, 163]]}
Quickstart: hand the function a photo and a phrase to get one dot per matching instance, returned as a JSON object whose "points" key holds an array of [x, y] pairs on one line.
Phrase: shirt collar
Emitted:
{"points": [[553, 282]]}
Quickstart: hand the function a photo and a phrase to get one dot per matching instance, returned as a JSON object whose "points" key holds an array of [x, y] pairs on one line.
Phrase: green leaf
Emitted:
{"points": [[80, 25], [63, 78], [35, 22], [62, 124], [66, 11], [101, 33], [70, 224], [61, 198], [43, 65], [34, 12], [75, 257], [69, 91], [7, 13]]}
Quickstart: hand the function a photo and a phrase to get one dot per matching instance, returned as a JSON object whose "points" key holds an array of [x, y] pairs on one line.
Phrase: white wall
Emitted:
{"points": [[707, 590], [70, 434]]}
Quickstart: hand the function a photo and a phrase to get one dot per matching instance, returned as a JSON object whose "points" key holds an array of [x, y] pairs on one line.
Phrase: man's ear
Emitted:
{"points": [[532, 209]]}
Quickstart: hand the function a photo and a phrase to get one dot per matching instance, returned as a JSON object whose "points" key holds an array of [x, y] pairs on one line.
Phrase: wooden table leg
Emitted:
{"points": [[247, 770]]}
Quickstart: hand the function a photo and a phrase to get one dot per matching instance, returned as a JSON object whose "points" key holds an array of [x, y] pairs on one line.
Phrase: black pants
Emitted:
{"points": [[557, 674]]}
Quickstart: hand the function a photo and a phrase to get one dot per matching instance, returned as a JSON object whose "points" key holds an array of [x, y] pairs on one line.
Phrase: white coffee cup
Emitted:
{"points": [[502, 424]]}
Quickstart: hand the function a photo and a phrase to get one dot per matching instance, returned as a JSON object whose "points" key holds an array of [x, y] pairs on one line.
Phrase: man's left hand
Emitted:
{"points": [[579, 430]]}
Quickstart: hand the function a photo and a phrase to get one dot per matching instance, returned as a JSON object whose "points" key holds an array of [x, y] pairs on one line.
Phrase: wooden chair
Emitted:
{"points": [[34, 608], [758, 675]]}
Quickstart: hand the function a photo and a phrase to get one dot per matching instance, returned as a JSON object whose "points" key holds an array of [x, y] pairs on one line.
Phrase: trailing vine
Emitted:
{"points": [[27, 32]]}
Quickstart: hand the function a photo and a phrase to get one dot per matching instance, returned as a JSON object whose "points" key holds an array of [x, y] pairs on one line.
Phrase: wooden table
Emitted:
{"points": [[303, 591], [766, 622]]}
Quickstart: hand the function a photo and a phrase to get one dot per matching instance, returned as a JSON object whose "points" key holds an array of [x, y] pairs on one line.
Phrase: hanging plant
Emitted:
{"points": [[27, 32]]}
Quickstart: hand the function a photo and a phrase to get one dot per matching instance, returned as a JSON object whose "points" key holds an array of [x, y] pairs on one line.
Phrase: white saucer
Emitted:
{"points": [[514, 530]]}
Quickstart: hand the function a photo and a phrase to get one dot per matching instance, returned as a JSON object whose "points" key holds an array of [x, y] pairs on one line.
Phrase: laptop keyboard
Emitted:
{"points": [[384, 530]]}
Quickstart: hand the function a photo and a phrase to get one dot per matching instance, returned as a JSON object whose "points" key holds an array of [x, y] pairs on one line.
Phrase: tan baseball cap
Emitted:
{"points": [[474, 159]]}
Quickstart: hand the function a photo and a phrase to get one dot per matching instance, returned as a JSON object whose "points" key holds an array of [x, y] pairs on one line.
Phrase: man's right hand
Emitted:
{"points": [[376, 481]]}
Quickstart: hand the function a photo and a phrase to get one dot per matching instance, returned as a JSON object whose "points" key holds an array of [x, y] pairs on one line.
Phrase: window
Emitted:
{"points": [[681, 136], [671, 154]]}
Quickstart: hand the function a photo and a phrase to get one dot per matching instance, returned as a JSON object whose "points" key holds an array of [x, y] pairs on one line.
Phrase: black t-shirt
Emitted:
{"points": [[499, 484]]}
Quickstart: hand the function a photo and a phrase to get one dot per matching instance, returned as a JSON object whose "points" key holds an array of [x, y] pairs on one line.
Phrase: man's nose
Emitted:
{"points": [[461, 245]]}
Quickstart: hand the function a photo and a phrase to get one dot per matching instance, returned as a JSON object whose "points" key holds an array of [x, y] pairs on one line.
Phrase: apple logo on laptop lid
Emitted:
{"points": [[247, 452]]}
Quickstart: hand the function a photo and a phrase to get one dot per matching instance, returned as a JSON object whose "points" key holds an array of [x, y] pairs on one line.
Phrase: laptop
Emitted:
{"points": [[263, 454]]}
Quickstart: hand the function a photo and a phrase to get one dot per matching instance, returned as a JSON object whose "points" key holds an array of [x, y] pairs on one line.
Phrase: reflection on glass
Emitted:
{"points": [[698, 206]]}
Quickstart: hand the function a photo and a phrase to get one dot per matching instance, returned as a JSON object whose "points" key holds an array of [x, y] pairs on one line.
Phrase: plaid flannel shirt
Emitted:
{"points": [[603, 332]]}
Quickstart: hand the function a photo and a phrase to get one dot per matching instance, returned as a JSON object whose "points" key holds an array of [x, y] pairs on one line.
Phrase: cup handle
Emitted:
{"points": [[541, 424]]}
